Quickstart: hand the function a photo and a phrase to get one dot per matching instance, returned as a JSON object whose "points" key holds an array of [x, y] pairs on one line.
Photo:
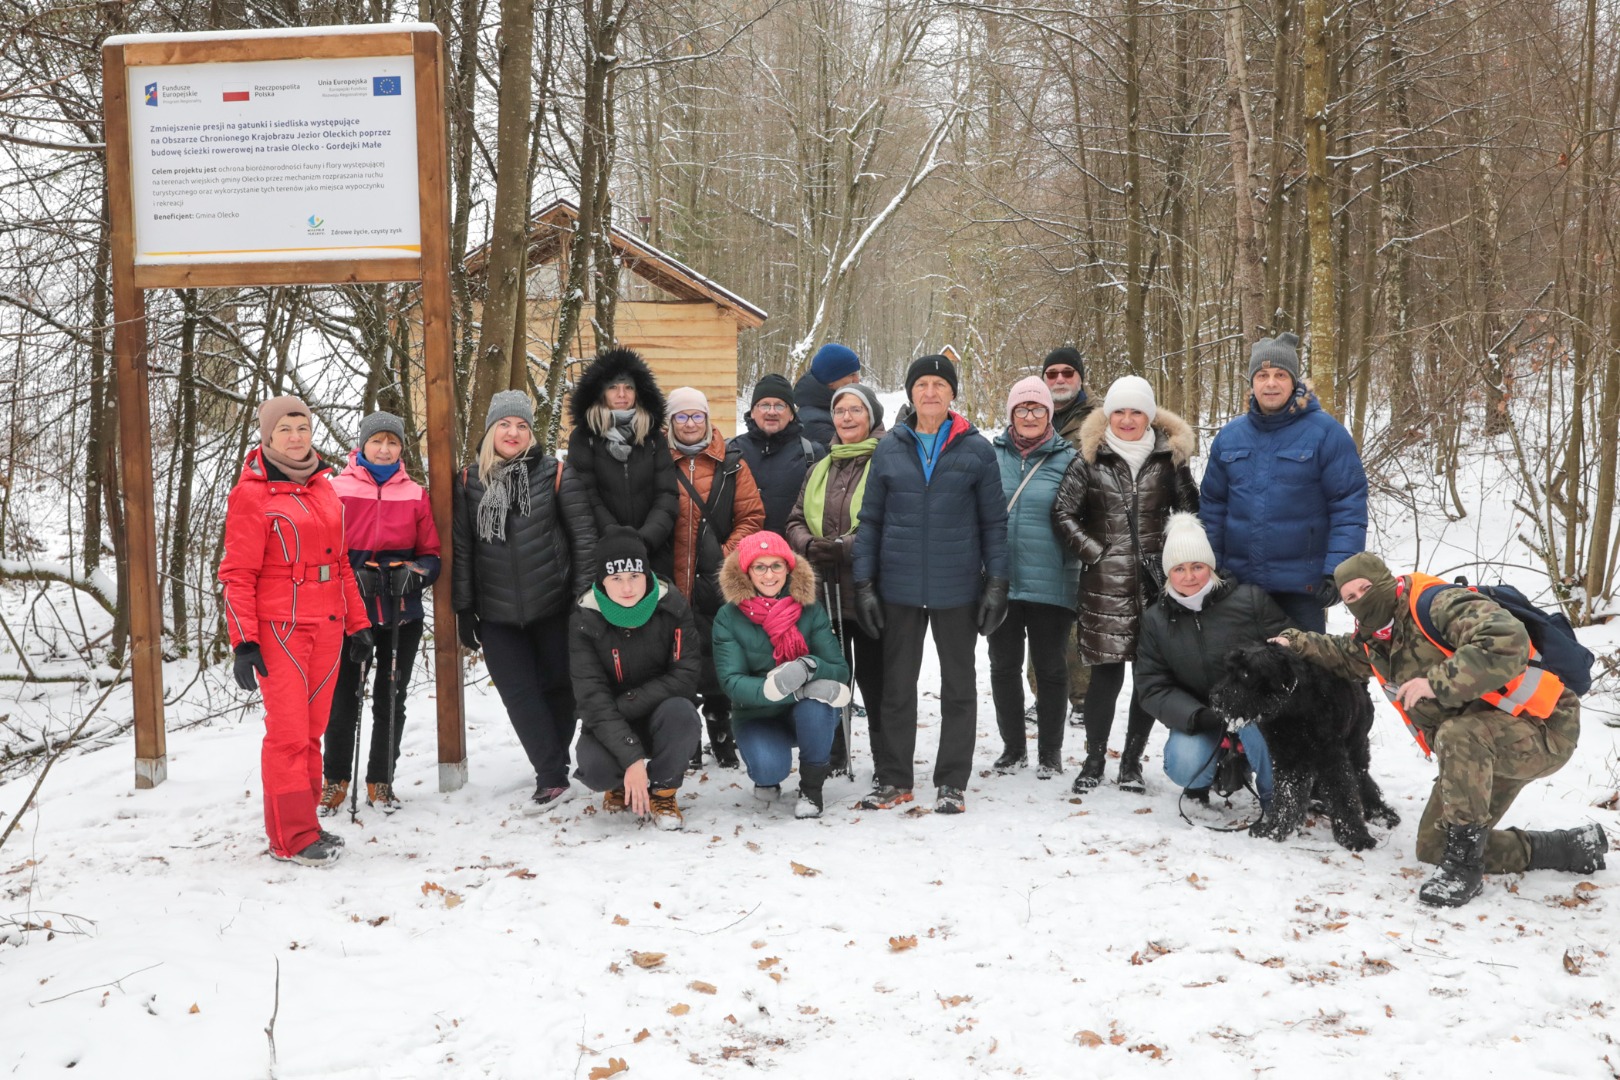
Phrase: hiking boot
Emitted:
{"points": [[811, 779], [320, 853], [838, 759], [1199, 795], [1050, 764], [332, 838], [333, 792], [666, 814], [546, 799], [884, 797], [1091, 770], [1076, 717], [1030, 715], [950, 800], [722, 744], [613, 801], [382, 796], [1459, 878], [766, 794], [1130, 765], [1579, 851], [1010, 761]]}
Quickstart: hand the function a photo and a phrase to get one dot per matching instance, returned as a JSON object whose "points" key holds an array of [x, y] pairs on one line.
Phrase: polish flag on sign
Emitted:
{"points": [[236, 93]]}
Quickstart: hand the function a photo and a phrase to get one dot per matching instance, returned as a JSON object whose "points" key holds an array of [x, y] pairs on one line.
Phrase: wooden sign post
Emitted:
{"points": [[276, 157]]}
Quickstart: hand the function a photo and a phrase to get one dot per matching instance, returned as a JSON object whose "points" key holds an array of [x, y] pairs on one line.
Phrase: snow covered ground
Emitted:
{"points": [[1037, 935]]}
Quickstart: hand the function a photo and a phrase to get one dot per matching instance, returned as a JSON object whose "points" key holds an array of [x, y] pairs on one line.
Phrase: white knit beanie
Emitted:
{"points": [[1185, 542], [1131, 392]]}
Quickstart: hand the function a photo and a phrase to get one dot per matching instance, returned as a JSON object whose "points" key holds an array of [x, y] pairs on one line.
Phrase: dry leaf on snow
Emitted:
{"points": [[614, 1067], [620, 920], [431, 887], [642, 1035], [647, 959], [194, 1010], [703, 987], [679, 1010], [901, 944], [769, 961], [523, 872], [803, 870], [1088, 1038], [1573, 962]]}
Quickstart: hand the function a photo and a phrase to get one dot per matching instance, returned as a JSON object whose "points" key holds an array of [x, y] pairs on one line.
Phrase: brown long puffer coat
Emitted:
{"points": [[1091, 515]]}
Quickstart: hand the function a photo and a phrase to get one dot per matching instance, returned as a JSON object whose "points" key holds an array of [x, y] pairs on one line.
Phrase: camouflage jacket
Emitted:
{"points": [[1492, 647]]}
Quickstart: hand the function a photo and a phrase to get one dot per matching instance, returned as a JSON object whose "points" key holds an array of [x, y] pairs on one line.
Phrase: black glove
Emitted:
{"points": [[361, 645], [1207, 722], [405, 578], [868, 609], [249, 660], [823, 552], [368, 578], [1327, 593], [467, 631], [993, 605]]}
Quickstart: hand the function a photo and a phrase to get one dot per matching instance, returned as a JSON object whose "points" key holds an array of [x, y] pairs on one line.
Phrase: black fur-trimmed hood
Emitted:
{"points": [[601, 372]]}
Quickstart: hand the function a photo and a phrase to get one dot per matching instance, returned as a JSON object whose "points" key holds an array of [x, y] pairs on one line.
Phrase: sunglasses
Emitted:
{"points": [[690, 418], [1060, 373]]}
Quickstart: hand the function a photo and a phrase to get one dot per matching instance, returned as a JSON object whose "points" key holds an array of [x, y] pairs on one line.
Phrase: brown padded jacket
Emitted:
{"points": [[746, 513]]}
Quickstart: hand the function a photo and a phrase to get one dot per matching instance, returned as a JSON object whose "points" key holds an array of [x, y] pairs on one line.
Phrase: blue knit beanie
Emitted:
{"points": [[832, 362]]}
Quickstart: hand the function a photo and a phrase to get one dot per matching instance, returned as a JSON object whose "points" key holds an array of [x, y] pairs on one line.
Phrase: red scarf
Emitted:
{"points": [[779, 615]]}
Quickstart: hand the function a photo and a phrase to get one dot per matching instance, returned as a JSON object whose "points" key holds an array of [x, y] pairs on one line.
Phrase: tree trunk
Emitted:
{"points": [[1249, 265], [1324, 346]]}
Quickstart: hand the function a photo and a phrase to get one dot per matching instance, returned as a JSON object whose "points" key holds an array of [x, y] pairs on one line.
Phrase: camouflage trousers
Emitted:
{"points": [[1486, 759], [1079, 674]]}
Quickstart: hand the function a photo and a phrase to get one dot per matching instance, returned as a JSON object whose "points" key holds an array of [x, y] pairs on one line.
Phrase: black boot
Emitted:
{"points": [[1091, 770], [838, 760], [721, 743], [1011, 760], [1461, 868], [1130, 764], [811, 778], [1579, 851]]}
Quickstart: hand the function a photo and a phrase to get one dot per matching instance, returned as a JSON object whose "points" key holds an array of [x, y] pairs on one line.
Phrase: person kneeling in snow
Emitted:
{"points": [[1494, 722], [781, 665], [636, 661]]}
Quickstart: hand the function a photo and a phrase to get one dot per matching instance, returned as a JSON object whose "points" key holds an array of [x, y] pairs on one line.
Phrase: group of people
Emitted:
{"points": [[660, 580]]}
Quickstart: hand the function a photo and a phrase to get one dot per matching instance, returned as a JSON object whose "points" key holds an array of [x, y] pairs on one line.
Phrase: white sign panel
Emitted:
{"points": [[274, 160]]}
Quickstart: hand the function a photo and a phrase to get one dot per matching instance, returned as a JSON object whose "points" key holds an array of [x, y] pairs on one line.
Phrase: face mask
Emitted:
{"points": [[1376, 608]]}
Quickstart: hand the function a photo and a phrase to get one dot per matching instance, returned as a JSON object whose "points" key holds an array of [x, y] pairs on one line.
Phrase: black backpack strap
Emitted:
{"points": [[705, 507]]}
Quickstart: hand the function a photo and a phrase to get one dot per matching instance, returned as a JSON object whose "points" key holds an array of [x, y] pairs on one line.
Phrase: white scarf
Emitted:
{"points": [[1134, 452], [1195, 602]]}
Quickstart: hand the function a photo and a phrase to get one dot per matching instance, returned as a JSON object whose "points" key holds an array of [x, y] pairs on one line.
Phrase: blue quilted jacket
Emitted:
{"points": [[1044, 569]]}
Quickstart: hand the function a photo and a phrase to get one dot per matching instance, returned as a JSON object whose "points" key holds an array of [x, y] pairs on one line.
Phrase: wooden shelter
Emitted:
{"points": [[684, 324]]}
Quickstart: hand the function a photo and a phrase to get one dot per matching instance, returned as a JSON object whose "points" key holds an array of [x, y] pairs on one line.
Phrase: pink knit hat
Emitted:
{"points": [[1031, 391], [686, 399], [273, 410], [761, 544]]}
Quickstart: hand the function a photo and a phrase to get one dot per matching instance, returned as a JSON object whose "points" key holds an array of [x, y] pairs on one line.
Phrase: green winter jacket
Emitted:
{"points": [[742, 650], [1044, 569]]}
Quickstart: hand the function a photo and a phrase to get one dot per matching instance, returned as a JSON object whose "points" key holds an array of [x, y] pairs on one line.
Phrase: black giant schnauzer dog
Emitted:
{"points": [[1316, 726]]}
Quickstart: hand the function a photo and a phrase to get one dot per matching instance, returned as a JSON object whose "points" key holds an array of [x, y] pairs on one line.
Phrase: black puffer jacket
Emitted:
{"points": [[779, 463], [814, 401], [1092, 516], [620, 676], [1179, 652], [640, 492], [546, 559]]}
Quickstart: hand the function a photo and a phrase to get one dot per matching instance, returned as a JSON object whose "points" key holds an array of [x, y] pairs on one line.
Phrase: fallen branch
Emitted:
{"points": [[118, 982]]}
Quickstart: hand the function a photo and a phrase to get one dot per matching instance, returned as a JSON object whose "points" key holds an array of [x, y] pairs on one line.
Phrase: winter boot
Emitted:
{"points": [[1011, 760], [767, 794], [1579, 851], [1459, 878], [721, 743], [333, 838], [320, 853], [1031, 717], [884, 797], [811, 778], [1050, 764], [1130, 764], [613, 802], [546, 799], [381, 795], [666, 813], [333, 792], [1199, 795], [1091, 770], [950, 800]]}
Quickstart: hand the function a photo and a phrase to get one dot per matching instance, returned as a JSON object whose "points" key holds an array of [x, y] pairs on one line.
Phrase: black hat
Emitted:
{"points": [[774, 386], [1065, 354], [620, 551], [931, 365]]}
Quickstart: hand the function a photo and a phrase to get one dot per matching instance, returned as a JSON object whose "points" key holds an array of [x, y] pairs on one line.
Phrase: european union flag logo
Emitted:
{"points": [[385, 86], [151, 94]]}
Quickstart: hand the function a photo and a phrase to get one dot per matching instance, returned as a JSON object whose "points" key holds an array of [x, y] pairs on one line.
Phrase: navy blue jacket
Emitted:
{"points": [[779, 463], [814, 401], [932, 543], [1284, 500]]}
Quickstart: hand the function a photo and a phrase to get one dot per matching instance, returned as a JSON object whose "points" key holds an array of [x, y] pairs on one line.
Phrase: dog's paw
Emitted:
{"points": [[1270, 828], [1354, 841], [1384, 816]]}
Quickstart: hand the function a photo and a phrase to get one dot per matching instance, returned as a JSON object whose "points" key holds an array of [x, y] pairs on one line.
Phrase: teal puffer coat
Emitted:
{"points": [[1044, 569]]}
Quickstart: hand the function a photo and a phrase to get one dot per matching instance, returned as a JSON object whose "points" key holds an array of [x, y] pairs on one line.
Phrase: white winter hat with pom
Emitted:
{"points": [[1185, 542]]}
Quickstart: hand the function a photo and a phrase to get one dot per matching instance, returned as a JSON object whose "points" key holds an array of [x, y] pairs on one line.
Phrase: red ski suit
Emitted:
{"points": [[288, 587]]}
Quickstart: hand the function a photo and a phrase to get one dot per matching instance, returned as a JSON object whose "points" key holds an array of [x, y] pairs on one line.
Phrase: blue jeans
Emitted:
{"points": [[1189, 760], [767, 744]]}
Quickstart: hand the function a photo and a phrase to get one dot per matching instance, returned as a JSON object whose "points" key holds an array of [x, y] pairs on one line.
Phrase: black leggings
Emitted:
{"points": [[1106, 682]]}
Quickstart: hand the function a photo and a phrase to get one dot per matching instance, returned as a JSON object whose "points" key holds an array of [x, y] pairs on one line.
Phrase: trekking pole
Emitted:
{"points": [[354, 764], [844, 713], [396, 606]]}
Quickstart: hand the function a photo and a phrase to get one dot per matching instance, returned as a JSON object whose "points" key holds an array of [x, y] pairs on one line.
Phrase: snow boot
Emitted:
{"points": [[1091, 770], [666, 813], [333, 838], [721, 742], [767, 794], [333, 792], [1049, 764], [950, 800], [1579, 851], [1011, 760], [613, 802], [381, 795], [1031, 717], [1130, 765], [546, 799], [884, 797], [1459, 878], [811, 778], [320, 853]]}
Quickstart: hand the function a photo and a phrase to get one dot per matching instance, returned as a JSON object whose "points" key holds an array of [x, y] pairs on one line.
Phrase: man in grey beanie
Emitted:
{"points": [[1284, 499]]}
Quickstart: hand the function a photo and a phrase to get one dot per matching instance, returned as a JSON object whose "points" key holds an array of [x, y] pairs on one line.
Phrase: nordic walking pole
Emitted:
{"points": [[396, 606], [354, 764], [844, 713]]}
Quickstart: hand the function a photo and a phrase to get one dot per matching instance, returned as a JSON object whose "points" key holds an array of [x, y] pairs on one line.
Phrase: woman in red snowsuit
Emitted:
{"points": [[290, 597]]}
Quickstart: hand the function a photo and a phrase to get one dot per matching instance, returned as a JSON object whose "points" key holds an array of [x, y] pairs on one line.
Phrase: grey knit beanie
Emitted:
{"points": [[378, 423], [1281, 351], [509, 403], [868, 397]]}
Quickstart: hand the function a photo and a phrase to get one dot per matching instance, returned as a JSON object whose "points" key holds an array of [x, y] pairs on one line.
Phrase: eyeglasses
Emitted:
{"points": [[690, 418], [1060, 373], [772, 406], [1030, 412], [856, 413], [773, 566]]}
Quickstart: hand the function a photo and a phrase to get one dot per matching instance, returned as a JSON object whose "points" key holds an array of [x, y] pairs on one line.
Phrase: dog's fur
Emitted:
{"points": [[1316, 726]]}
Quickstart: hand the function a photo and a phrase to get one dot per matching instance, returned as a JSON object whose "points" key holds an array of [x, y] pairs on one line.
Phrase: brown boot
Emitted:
{"points": [[613, 801], [381, 795], [333, 792], [666, 814]]}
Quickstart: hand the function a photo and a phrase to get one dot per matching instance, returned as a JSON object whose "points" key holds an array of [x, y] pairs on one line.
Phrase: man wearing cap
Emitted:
{"points": [[832, 367], [1284, 499], [930, 554], [1453, 702], [1064, 372], [776, 449]]}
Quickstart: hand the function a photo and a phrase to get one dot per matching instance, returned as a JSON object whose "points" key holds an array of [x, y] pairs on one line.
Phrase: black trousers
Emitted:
{"points": [[673, 736], [1106, 681], [338, 748], [1046, 627], [530, 667], [956, 634]]}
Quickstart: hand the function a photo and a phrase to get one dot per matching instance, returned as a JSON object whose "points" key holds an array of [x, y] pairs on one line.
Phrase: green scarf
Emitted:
{"points": [[633, 617], [815, 490]]}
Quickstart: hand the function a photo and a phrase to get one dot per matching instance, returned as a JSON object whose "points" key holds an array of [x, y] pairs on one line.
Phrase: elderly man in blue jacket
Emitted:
{"points": [[930, 553], [1284, 499]]}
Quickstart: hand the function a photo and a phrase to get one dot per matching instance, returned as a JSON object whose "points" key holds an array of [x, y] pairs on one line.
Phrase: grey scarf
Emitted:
{"points": [[620, 436], [508, 486]]}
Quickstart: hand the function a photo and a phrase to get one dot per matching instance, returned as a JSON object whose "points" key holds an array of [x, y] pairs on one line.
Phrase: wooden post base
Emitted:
{"points": [[150, 772], [452, 775]]}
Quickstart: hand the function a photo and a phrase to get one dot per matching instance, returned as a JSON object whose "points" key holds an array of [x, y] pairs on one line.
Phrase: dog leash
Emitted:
{"points": [[1181, 803]]}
